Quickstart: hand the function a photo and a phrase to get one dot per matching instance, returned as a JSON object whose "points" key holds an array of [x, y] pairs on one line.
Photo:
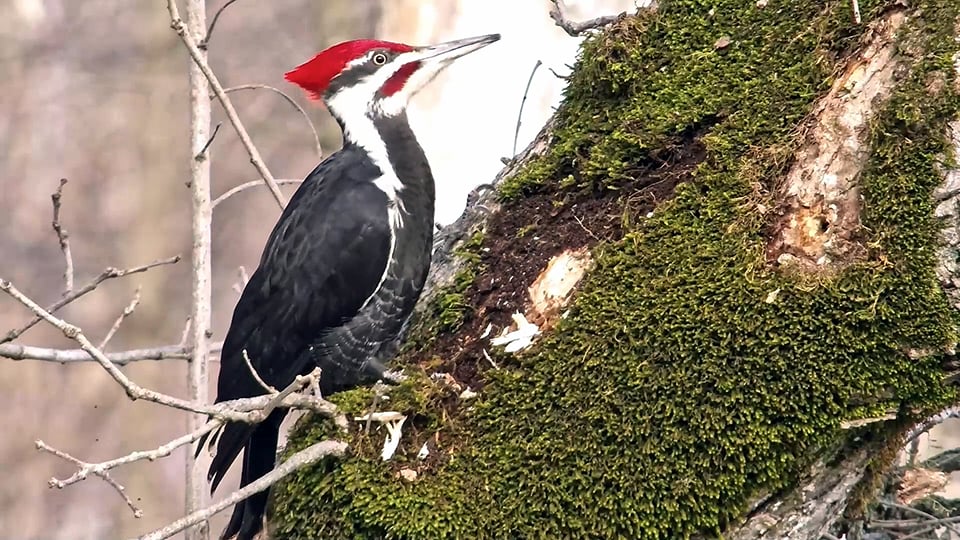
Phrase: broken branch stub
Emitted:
{"points": [[819, 220]]}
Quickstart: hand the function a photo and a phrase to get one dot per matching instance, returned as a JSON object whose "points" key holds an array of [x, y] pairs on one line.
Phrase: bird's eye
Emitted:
{"points": [[379, 59]]}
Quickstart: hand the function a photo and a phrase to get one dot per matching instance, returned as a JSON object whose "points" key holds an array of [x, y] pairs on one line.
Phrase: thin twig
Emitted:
{"points": [[109, 273], [490, 359], [856, 11], [180, 28], [84, 469], [203, 151], [250, 410], [64, 238], [205, 42], [292, 102], [557, 75], [127, 311], [923, 527], [921, 513], [576, 28], [516, 134], [247, 185], [584, 227], [53, 482], [300, 460], [256, 375]]}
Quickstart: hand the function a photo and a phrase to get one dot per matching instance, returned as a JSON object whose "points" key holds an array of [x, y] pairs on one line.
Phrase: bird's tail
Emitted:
{"points": [[260, 448]]}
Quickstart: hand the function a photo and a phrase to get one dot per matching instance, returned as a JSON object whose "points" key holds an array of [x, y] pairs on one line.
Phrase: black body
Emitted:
{"points": [[321, 296]]}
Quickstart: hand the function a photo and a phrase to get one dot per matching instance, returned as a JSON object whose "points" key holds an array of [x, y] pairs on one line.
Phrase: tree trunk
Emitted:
{"points": [[728, 241]]}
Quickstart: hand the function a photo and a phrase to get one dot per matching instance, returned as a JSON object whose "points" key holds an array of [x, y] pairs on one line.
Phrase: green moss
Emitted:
{"points": [[674, 391], [449, 308]]}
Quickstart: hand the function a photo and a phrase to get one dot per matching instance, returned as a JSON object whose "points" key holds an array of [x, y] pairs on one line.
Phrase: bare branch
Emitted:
{"points": [[109, 273], [557, 13], [931, 520], [53, 482], [855, 5], [64, 238], [216, 17], [301, 459], [202, 154], [292, 102], [181, 29], [84, 469], [260, 410], [256, 375], [928, 424], [516, 134], [585, 229], [247, 410], [247, 185], [277, 398], [14, 351], [127, 311], [251, 410]]}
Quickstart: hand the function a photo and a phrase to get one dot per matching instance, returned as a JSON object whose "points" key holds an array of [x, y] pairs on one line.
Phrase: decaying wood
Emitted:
{"points": [[807, 512], [554, 287], [948, 269], [821, 198]]}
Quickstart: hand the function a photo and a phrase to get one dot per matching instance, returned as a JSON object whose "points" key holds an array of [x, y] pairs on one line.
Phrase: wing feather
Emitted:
{"points": [[325, 257]]}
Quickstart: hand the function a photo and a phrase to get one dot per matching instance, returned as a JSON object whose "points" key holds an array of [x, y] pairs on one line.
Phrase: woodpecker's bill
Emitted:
{"points": [[346, 262]]}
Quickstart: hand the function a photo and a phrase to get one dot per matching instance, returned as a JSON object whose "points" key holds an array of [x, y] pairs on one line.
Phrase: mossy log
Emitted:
{"points": [[756, 195]]}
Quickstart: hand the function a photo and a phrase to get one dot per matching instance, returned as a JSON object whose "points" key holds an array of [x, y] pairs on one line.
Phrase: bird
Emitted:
{"points": [[347, 260]]}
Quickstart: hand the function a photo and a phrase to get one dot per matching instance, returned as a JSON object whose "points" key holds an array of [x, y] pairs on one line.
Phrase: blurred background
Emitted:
{"points": [[96, 92]]}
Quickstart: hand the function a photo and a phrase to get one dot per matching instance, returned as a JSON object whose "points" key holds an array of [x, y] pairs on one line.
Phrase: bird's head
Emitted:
{"points": [[378, 77]]}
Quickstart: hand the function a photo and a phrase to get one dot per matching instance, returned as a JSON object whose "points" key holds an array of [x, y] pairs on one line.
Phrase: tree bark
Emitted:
{"points": [[201, 299]]}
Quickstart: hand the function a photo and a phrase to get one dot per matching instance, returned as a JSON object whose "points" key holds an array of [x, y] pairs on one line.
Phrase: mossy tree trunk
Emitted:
{"points": [[754, 189]]}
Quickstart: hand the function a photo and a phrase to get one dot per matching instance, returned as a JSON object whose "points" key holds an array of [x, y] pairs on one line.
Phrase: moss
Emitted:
{"points": [[674, 391], [449, 307]]}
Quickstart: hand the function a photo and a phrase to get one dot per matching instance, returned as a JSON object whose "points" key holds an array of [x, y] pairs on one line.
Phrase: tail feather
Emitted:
{"points": [[260, 448], [233, 438]]}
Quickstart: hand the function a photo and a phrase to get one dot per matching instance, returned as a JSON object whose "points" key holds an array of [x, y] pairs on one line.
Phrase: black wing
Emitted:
{"points": [[324, 258]]}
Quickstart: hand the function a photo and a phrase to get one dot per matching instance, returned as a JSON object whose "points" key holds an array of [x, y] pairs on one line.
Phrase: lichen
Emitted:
{"points": [[678, 387]]}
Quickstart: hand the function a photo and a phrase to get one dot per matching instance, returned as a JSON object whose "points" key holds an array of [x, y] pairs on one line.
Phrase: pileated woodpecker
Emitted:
{"points": [[346, 262]]}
